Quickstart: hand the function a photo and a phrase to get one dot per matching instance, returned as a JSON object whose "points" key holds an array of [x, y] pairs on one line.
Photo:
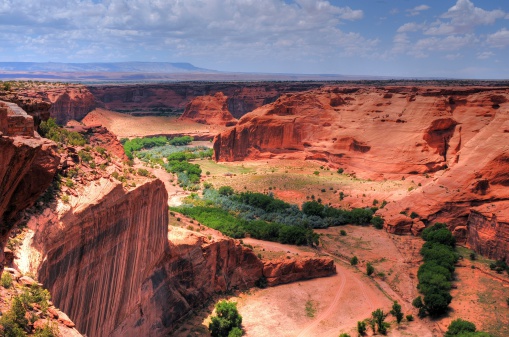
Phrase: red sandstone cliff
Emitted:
{"points": [[196, 268], [27, 167], [173, 98], [460, 134], [95, 254], [112, 265], [62, 102], [209, 110]]}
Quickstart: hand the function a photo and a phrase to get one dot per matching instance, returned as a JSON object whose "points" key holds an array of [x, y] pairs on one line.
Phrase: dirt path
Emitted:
{"points": [[324, 315]]}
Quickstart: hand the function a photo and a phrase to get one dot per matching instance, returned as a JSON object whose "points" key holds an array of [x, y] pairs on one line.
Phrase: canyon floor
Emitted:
{"points": [[336, 303]]}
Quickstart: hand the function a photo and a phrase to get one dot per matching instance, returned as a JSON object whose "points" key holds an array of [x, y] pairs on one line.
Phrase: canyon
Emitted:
{"points": [[119, 264], [455, 134]]}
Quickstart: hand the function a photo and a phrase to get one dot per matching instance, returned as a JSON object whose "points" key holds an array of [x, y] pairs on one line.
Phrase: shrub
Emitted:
{"points": [[396, 311], [377, 222], [344, 335], [409, 318], [227, 318], [414, 215], [49, 129], [369, 269], [459, 327], [143, 172], [379, 317], [49, 330], [361, 327], [417, 302], [354, 260], [6, 280], [340, 170], [342, 232], [226, 190], [312, 208], [235, 332]]}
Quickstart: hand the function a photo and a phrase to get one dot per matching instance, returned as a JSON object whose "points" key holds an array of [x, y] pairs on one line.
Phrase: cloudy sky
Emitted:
{"points": [[446, 38]]}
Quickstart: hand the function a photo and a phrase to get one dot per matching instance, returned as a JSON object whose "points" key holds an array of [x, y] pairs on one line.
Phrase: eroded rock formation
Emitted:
{"points": [[198, 267], [62, 102], [457, 135], [95, 254], [27, 167], [173, 98], [209, 110]]}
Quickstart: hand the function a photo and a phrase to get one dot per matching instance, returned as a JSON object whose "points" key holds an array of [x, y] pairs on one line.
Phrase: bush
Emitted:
{"points": [[361, 327], [377, 222], [354, 260], [369, 269], [49, 129], [459, 327], [6, 280], [417, 302], [409, 318], [342, 232], [235, 332], [227, 318], [396, 311], [49, 330], [313, 208], [226, 190]]}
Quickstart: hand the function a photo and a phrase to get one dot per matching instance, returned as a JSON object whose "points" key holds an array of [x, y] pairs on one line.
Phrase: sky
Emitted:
{"points": [[440, 38]]}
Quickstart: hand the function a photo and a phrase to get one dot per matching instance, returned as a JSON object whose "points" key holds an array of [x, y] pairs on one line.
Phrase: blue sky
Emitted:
{"points": [[457, 38]]}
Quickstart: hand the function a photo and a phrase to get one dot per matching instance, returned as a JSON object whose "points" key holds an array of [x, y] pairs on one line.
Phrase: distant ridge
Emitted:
{"points": [[117, 67], [144, 72]]}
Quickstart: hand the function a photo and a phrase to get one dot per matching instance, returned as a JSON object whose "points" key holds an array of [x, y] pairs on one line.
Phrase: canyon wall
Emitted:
{"points": [[488, 230], [211, 110], [456, 137], [62, 102], [198, 267], [173, 98], [94, 255], [112, 265], [27, 167]]}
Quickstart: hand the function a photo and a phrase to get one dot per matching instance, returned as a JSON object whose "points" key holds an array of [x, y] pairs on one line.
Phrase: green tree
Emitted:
{"points": [[227, 318], [396, 311], [312, 208], [354, 260], [379, 318], [458, 327], [361, 327], [226, 190], [369, 269]]}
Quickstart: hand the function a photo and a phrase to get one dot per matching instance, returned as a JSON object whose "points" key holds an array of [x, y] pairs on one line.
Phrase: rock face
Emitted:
{"points": [[173, 98], [284, 270], [197, 268], [73, 103], [488, 230], [95, 255], [27, 167], [459, 135], [64, 103], [209, 110]]}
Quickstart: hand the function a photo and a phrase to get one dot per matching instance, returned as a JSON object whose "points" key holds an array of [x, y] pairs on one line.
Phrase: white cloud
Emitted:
{"points": [[485, 55], [410, 27], [463, 18], [417, 10], [453, 57], [190, 27], [499, 39]]}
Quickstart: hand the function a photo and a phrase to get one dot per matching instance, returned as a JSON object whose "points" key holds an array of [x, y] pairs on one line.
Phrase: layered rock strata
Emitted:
{"points": [[198, 267], [94, 255], [209, 110], [27, 167], [457, 137], [173, 98]]}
